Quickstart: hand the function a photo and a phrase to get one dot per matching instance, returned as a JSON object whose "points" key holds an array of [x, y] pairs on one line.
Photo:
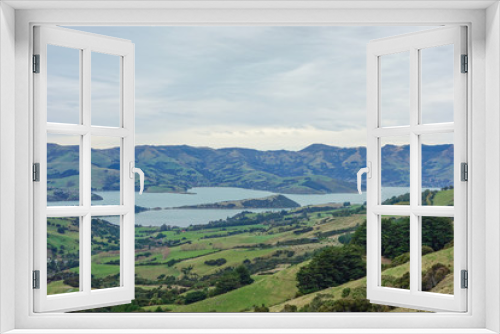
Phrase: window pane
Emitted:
{"points": [[63, 255], [63, 84], [63, 170], [437, 254], [437, 169], [106, 170], [395, 169], [105, 252], [395, 89], [395, 261], [437, 84], [105, 90]]}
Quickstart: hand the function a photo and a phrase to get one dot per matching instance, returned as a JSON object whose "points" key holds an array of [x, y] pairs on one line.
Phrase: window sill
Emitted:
{"points": [[252, 331]]}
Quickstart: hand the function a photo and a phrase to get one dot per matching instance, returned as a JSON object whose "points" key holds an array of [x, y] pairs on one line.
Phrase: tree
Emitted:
{"points": [[187, 270], [229, 281], [359, 236], [244, 275], [331, 267], [195, 296], [233, 280], [437, 232], [395, 236]]}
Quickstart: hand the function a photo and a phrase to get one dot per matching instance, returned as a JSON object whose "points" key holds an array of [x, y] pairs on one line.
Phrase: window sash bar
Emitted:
{"points": [[94, 210], [416, 129], [76, 129]]}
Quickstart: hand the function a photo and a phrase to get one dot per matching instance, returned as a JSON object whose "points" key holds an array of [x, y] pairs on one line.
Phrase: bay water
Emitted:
{"points": [[165, 203]]}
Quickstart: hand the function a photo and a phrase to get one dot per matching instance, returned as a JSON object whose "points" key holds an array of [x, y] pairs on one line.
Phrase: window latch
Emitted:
{"points": [[368, 171], [134, 170]]}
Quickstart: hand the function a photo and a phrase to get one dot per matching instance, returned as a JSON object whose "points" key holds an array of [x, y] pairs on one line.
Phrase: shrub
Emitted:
{"points": [[232, 280], [345, 238], [217, 262], [401, 259], [262, 308], [195, 296], [426, 250], [244, 275], [160, 236], [72, 280], [289, 308], [333, 266], [433, 276]]}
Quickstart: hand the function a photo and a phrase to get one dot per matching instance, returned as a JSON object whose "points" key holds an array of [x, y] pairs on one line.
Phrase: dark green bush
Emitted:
{"points": [[333, 266]]}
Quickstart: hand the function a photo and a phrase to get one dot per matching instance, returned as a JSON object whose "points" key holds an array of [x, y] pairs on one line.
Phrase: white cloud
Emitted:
{"points": [[264, 138], [260, 87]]}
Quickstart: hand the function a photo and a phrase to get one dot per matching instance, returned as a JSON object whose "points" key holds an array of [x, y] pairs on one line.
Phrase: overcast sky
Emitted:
{"points": [[256, 87]]}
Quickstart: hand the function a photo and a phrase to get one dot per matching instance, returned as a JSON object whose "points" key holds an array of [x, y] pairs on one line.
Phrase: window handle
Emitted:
{"points": [[368, 171], [134, 170]]}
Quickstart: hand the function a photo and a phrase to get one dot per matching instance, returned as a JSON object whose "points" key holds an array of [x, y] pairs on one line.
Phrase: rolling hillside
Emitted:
{"points": [[273, 201], [317, 169], [305, 259]]}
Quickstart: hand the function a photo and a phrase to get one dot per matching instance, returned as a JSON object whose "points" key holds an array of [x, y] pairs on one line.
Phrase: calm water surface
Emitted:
{"points": [[186, 217]]}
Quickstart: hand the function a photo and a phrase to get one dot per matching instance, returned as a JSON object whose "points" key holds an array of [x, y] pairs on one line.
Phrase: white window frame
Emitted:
{"points": [[484, 50], [86, 44], [413, 43]]}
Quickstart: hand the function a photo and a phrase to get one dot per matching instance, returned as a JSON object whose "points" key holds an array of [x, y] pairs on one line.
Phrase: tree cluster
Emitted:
{"points": [[333, 266], [232, 280]]}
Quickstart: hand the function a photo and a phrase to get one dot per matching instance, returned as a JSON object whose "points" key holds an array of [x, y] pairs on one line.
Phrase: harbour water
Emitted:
{"points": [[165, 202]]}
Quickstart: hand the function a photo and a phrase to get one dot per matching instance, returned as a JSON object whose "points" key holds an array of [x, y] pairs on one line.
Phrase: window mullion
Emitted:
{"points": [[85, 254], [85, 159], [414, 171], [127, 183], [86, 187]]}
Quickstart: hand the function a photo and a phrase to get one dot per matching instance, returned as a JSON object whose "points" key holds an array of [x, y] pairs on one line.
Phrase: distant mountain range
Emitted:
{"points": [[316, 169]]}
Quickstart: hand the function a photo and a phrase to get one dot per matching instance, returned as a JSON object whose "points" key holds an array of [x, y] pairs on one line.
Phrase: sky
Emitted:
{"points": [[260, 87]]}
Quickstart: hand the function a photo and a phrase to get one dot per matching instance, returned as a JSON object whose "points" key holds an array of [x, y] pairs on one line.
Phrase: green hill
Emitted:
{"points": [[270, 202], [444, 256], [267, 289], [443, 197], [279, 289], [317, 169], [181, 269]]}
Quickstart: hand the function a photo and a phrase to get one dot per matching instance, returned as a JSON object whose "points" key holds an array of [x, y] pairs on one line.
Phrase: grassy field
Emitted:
{"points": [[202, 250], [175, 265], [58, 287], [233, 256], [267, 289], [169, 251], [445, 286], [443, 198]]}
